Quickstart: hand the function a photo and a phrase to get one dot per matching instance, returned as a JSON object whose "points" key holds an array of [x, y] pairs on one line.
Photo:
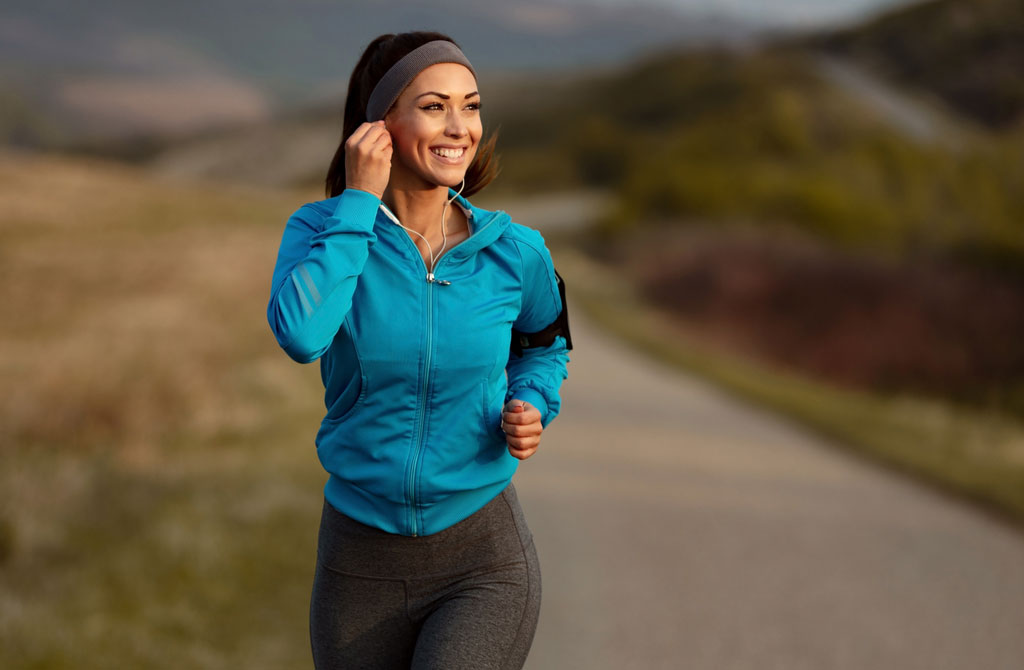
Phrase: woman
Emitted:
{"points": [[424, 557]]}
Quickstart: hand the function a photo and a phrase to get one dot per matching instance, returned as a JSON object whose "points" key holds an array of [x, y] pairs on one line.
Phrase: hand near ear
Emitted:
{"points": [[368, 158], [521, 422]]}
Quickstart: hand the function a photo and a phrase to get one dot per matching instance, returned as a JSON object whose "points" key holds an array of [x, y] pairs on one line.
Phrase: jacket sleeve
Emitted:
{"points": [[318, 265], [537, 376]]}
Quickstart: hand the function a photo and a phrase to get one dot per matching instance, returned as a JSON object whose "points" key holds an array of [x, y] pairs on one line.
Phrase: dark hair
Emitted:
{"points": [[379, 56]]}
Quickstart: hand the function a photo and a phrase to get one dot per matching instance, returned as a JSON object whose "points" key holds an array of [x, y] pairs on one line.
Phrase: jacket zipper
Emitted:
{"points": [[421, 406], [422, 410], [421, 420], [410, 481]]}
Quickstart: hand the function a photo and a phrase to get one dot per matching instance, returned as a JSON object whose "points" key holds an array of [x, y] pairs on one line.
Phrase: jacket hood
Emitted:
{"points": [[486, 226]]}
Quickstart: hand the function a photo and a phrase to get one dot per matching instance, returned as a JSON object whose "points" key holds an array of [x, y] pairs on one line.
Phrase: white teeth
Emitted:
{"points": [[449, 153]]}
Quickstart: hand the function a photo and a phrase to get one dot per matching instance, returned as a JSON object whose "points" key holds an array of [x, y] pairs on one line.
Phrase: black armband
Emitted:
{"points": [[544, 338]]}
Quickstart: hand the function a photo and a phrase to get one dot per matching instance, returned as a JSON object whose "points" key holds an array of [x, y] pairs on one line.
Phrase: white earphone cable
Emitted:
{"points": [[444, 234]]}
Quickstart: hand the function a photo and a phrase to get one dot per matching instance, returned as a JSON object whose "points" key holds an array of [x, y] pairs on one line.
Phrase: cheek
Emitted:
{"points": [[476, 131], [403, 145], [407, 138]]}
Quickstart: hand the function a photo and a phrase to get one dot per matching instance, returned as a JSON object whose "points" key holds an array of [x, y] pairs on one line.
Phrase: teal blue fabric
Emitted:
{"points": [[415, 373]]}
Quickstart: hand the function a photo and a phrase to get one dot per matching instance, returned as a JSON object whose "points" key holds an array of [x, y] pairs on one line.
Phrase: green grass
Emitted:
{"points": [[763, 136], [973, 454], [197, 567]]}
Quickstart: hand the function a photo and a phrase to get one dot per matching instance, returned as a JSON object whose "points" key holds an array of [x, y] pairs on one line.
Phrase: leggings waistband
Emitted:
{"points": [[494, 533]]}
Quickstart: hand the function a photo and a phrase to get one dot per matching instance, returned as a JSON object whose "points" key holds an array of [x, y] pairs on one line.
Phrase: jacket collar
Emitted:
{"points": [[485, 226]]}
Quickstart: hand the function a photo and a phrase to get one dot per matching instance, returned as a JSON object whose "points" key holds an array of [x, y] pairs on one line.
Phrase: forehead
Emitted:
{"points": [[447, 78]]}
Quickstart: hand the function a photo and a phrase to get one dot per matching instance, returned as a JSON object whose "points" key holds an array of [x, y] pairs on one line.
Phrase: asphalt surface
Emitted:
{"points": [[916, 116], [680, 528]]}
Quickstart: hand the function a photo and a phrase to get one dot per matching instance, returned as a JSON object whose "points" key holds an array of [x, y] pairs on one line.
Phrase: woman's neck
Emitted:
{"points": [[418, 209]]}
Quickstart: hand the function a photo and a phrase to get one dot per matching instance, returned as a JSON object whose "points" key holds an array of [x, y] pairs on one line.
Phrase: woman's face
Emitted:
{"points": [[435, 126]]}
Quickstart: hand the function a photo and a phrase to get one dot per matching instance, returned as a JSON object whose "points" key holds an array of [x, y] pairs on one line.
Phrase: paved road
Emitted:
{"points": [[903, 111], [678, 528]]}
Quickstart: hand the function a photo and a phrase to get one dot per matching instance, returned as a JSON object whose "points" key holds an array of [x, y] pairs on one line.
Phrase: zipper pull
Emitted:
{"points": [[431, 279]]}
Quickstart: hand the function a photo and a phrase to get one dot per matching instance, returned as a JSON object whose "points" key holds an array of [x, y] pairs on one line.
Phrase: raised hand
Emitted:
{"points": [[368, 158]]}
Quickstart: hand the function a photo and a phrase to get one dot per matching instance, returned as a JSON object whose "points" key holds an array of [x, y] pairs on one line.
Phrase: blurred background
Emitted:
{"points": [[818, 206]]}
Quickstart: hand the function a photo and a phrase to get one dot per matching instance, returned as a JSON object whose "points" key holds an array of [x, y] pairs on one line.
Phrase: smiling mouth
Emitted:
{"points": [[450, 154]]}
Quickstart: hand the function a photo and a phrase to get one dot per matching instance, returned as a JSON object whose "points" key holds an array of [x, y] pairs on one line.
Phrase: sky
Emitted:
{"points": [[788, 13]]}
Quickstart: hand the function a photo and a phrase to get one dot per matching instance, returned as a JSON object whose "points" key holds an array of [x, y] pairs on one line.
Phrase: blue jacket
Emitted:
{"points": [[415, 373]]}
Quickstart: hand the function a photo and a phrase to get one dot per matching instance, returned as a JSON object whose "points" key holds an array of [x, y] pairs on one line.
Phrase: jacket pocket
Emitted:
{"points": [[345, 414], [491, 412]]}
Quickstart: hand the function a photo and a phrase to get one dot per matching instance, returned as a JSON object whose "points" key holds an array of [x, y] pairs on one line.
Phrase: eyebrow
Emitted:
{"points": [[446, 97]]}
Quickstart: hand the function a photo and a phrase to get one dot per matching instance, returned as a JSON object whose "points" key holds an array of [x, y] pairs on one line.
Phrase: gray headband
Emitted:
{"points": [[405, 70]]}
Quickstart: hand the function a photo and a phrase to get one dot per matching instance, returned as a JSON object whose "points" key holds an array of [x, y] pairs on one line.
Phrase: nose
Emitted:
{"points": [[455, 126]]}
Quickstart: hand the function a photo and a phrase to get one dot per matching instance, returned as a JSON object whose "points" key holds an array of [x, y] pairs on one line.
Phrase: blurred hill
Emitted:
{"points": [[589, 128], [779, 211], [73, 73], [969, 54], [766, 136], [878, 226]]}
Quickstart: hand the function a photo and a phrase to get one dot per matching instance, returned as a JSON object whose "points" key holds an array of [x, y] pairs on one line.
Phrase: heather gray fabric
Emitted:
{"points": [[405, 70], [467, 597]]}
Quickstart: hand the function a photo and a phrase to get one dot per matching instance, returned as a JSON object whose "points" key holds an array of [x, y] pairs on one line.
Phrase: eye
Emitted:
{"points": [[433, 105], [475, 105]]}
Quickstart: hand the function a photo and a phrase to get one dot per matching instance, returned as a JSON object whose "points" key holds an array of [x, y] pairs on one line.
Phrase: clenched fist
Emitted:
{"points": [[521, 422], [368, 158]]}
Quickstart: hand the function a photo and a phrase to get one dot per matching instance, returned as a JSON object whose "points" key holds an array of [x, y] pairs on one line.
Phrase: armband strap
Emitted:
{"points": [[545, 337]]}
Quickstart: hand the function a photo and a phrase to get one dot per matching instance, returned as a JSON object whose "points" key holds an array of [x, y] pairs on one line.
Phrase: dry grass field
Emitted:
{"points": [[159, 489]]}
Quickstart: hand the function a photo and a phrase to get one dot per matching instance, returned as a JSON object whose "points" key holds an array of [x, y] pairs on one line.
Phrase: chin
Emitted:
{"points": [[451, 182]]}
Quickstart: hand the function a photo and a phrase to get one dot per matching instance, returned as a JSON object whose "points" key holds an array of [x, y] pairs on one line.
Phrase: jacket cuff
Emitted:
{"points": [[531, 396], [357, 208]]}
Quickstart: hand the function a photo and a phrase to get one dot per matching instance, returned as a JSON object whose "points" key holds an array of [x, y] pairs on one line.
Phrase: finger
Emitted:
{"points": [[359, 133], [529, 430], [382, 142], [517, 406], [522, 418], [519, 423], [522, 454], [368, 133], [522, 450], [521, 443]]}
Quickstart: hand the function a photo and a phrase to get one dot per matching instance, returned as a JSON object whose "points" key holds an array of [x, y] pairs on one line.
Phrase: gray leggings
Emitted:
{"points": [[465, 597]]}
